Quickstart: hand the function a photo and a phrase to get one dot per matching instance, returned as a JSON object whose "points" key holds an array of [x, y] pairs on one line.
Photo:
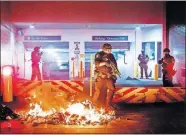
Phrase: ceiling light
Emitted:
{"points": [[32, 26], [138, 28]]}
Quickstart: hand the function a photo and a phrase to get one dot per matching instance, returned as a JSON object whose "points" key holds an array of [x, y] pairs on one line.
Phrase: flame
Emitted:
{"points": [[76, 108], [80, 113], [38, 111]]}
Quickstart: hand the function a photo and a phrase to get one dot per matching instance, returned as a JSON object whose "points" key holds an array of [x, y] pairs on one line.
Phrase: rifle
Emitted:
{"points": [[115, 69], [41, 53], [113, 66]]}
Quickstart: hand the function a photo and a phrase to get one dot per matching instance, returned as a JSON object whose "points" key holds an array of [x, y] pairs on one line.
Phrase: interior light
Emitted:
{"points": [[32, 26], [7, 71], [138, 28]]}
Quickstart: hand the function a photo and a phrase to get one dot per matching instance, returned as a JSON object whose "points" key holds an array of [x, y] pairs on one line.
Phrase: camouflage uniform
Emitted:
{"points": [[36, 57], [105, 78], [143, 64], [167, 64]]}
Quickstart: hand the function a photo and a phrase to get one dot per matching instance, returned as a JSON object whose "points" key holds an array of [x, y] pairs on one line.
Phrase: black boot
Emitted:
{"points": [[6, 111]]}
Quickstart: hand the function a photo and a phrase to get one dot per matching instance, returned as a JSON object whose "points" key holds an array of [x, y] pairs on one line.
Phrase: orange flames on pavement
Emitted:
{"points": [[79, 113]]}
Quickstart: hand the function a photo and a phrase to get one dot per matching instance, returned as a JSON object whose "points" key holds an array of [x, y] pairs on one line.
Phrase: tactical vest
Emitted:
{"points": [[105, 71]]}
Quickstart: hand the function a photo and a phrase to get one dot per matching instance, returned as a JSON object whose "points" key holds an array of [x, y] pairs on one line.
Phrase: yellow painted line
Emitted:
{"points": [[182, 91], [123, 89], [130, 94], [53, 87], [76, 85], [27, 88], [35, 90], [137, 99], [174, 94], [151, 95], [164, 98], [65, 86]]}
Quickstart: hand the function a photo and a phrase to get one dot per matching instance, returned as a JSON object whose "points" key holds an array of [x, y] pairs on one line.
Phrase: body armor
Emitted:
{"points": [[109, 70], [168, 65], [143, 59]]}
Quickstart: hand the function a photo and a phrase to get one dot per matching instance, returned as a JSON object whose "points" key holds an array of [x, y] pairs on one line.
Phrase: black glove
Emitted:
{"points": [[160, 61], [41, 53]]}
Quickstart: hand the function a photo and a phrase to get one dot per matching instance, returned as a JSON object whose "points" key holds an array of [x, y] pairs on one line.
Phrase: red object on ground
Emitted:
{"points": [[11, 126]]}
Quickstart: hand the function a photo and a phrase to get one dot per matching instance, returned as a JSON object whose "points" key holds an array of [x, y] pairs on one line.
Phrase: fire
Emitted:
{"points": [[38, 111], [76, 108], [79, 113]]}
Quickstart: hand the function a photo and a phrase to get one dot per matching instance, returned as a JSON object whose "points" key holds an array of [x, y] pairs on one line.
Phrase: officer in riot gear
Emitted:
{"points": [[143, 60], [36, 57], [167, 63], [105, 74]]}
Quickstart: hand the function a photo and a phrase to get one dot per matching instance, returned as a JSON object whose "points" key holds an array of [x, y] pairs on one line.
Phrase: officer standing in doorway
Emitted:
{"points": [[36, 57], [105, 75], [167, 64], [143, 59]]}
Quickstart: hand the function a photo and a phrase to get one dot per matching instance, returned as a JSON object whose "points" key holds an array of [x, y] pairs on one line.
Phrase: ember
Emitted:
{"points": [[79, 113]]}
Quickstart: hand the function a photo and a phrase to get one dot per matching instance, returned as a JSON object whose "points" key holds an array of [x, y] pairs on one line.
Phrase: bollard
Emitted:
{"points": [[156, 72], [81, 70], [78, 74], [135, 70], [73, 70], [7, 84], [91, 68]]}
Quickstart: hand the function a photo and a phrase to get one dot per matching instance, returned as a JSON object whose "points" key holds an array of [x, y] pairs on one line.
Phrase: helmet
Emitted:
{"points": [[166, 50], [107, 46], [36, 48]]}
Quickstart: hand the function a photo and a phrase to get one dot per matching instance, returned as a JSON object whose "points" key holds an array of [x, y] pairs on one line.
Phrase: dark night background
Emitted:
{"points": [[175, 15], [175, 12]]}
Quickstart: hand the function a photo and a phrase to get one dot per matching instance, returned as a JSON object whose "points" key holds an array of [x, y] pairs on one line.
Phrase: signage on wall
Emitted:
{"points": [[42, 38], [77, 49], [110, 38], [76, 43], [76, 57]]}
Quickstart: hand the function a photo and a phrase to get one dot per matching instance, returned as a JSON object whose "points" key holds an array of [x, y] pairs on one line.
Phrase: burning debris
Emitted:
{"points": [[79, 113], [45, 109]]}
